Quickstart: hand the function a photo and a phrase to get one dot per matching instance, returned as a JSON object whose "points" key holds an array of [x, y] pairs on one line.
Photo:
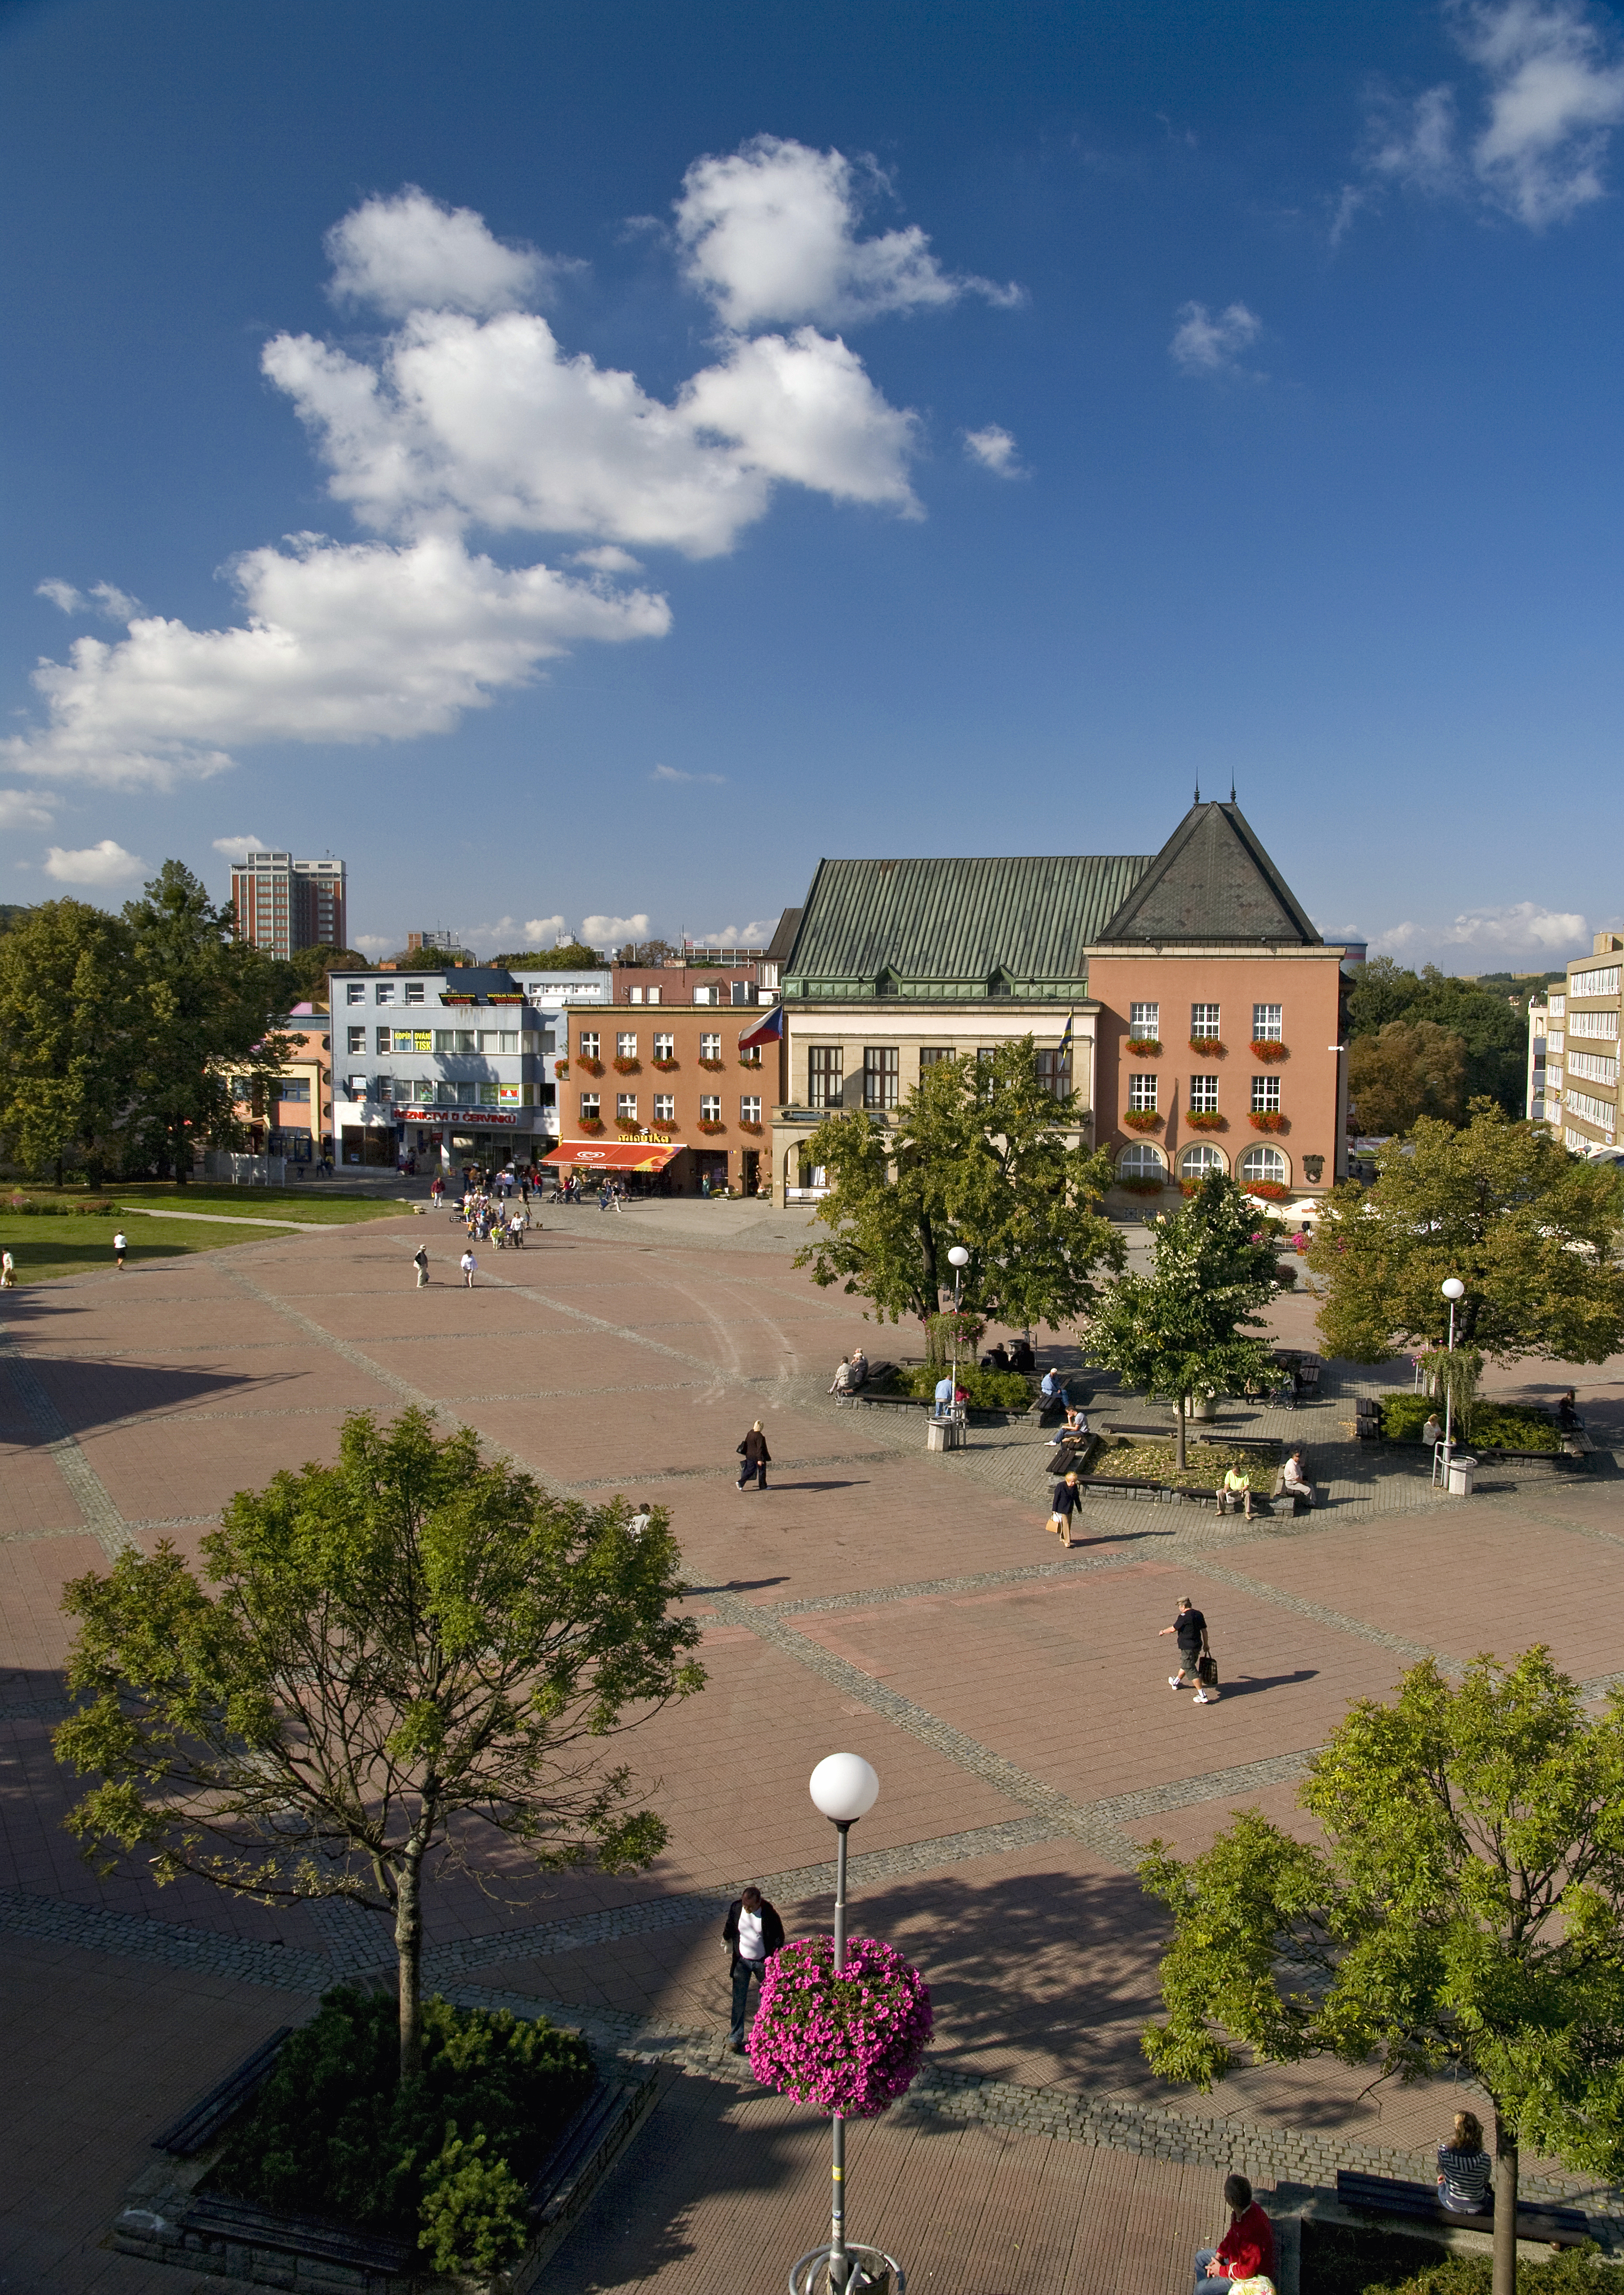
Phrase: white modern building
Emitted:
{"points": [[453, 1066], [1573, 1052]]}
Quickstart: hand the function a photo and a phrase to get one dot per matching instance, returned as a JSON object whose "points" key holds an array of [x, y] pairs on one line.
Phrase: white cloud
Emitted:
{"points": [[237, 848], [410, 253], [994, 448], [101, 598], [1551, 90], [543, 932], [608, 558], [25, 809], [1523, 928], [381, 942], [343, 643], [673, 779], [492, 423], [606, 931], [751, 935], [101, 864], [1204, 343], [770, 233]]}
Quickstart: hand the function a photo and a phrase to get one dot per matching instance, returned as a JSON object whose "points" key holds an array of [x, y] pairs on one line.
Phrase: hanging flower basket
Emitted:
{"points": [[666, 1067], [1268, 1119], [851, 2043], [1208, 1047], [591, 1067], [592, 1125], [1268, 1048], [560, 1067], [707, 1124], [623, 1065], [1205, 1119], [1145, 1047], [714, 1065], [1142, 1119]]}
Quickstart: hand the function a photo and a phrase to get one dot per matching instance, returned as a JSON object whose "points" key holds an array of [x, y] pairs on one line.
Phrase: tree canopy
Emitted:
{"points": [[70, 1026], [574, 956], [977, 1155], [407, 1660], [1492, 1027], [1408, 1069], [1530, 1229], [1190, 1326], [1465, 1914]]}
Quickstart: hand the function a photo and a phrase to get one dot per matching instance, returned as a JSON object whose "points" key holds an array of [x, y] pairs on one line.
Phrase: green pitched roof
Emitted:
{"points": [[946, 929]]}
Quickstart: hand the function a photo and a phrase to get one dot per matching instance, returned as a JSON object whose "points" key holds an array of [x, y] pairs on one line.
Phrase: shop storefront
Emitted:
{"points": [[598, 1159]]}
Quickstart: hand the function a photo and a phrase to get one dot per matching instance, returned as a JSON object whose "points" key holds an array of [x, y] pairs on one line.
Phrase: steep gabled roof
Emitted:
{"points": [[1210, 881], [947, 929], [784, 937]]}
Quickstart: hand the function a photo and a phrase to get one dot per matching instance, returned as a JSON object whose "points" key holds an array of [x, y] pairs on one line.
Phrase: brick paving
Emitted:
{"points": [[1012, 1698]]}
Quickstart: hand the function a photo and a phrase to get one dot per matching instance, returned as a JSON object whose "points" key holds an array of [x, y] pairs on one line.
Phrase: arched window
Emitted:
{"points": [[1196, 1162], [1141, 1161], [1264, 1164]]}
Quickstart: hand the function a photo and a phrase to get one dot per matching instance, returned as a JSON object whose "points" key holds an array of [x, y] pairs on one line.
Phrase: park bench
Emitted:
{"points": [[1136, 1486], [201, 2122], [1390, 2195], [876, 1372], [211, 2216], [596, 2130], [1266, 1445], [1573, 1461]]}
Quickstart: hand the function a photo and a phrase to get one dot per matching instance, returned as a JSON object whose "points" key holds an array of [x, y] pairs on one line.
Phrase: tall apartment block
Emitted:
{"points": [[283, 904], [1573, 1052]]}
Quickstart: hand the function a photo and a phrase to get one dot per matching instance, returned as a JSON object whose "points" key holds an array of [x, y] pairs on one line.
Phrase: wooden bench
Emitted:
{"points": [[201, 2122], [1388, 2195], [1136, 1486], [215, 2217], [1269, 1444], [1575, 1461], [875, 1372]]}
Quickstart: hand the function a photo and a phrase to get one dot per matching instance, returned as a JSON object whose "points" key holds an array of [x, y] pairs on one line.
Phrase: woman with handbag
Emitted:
{"points": [[1196, 1662]]}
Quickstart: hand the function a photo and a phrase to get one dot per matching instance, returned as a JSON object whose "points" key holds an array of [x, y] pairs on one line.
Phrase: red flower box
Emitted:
{"points": [[1142, 1119], [560, 1067], [1271, 1190], [627, 1066], [1205, 1119], [591, 1067], [1268, 1119], [744, 1124], [1209, 1047], [1268, 1048], [592, 1125], [1147, 1046], [707, 1125], [666, 1067], [715, 1066]]}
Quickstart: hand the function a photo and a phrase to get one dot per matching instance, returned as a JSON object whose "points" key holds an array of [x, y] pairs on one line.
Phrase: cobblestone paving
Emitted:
{"points": [[1010, 1696]]}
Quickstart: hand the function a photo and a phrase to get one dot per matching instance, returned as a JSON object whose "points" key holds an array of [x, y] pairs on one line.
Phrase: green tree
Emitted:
{"points": [[1465, 1914], [409, 1659], [306, 970], [977, 1155], [1411, 1068], [68, 1037], [573, 957], [1530, 1229], [1493, 1028], [1186, 1328], [211, 1002]]}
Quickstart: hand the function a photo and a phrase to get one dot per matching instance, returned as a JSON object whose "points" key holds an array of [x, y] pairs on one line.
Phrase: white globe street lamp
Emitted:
{"points": [[958, 1259], [1453, 1290], [844, 1787]]}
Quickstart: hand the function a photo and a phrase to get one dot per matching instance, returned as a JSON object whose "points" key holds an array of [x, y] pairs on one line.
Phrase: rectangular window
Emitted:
{"points": [[710, 1048], [356, 1087], [446, 1040], [589, 1107], [384, 1086], [1599, 1068], [589, 1043], [487, 1095], [507, 1040], [707, 993], [930, 1054], [742, 991], [354, 991], [625, 1047], [446, 1094], [425, 1092], [626, 1106], [665, 1048], [825, 1084], [357, 1040], [1267, 1023], [654, 996], [879, 1075], [1142, 1093], [293, 1087], [400, 1040], [487, 1039], [414, 991], [1589, 1024], [710, 1110], [665, 1108], [749, 1111], [1599, 1111], [1557, 1007], [1265, 1094], [422, 1039], [1204, 1095], [1055, 1072], [1204, 1019], [384, 991], [1602, 982], [386, 1038], [511, 1095], [1144, 1020], [634, 996]]}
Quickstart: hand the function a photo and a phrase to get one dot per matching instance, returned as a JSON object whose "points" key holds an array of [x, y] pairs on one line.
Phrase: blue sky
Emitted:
{"points": [[584, 464]]}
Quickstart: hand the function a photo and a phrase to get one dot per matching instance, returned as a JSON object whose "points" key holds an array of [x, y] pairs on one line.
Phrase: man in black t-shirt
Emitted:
{"points": [[1190, 1628]]}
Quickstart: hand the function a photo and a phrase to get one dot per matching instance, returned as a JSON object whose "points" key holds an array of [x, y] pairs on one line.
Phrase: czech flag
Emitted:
{"points": [[767, 1031]]}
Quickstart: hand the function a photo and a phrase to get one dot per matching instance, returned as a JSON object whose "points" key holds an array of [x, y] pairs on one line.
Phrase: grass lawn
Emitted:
{"points": [[82, 1242], [307, 1205]]}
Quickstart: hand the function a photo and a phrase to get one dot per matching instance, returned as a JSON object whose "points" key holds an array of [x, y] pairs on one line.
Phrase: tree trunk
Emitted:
{"points": [[1504, 2280], [1180, 1460], [409, 1952]]}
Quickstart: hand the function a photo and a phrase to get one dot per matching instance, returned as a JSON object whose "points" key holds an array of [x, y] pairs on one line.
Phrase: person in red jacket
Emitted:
{"points": [[1247, 2248]]}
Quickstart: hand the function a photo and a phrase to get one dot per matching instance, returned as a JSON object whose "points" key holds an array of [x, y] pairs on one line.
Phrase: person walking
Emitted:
{"points": [[419, 1260], [1190, 1627], [468, 1263], [755, 1457], [752, 1933], [8, 1271], [121, 1244], [1063, 1506]]}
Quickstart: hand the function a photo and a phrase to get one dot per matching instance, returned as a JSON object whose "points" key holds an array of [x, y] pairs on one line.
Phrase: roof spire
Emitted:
{"points": [[1232, 789], [1198, 792]]}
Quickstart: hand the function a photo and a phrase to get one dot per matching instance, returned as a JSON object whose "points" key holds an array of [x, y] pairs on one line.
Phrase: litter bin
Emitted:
{"points": [[1462, 1475], [945, 1434]]}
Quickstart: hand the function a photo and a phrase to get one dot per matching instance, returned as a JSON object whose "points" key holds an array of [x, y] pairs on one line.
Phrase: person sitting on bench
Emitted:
{"points": [[1235, 1489], [1021, 1357], [860, 1366], [1291, 1482], [1247, 2248], [996, 1358], [1465, 2169]]}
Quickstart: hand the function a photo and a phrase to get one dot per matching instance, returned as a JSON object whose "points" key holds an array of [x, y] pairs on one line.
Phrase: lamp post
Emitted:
{"points": [[958, 1259], [843, 1788], [1453, 1290]]}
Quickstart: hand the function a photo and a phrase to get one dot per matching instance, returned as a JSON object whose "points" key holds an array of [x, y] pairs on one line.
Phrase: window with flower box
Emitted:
{"points": [[589, 1043], [710, 1109], [825, 1077], [589, 1107], [1144, 1019], [1204, 1020], [1204, 1095], [710, 1048], [1263, 1165], [665, 1108], [625, 1046], [665, 1048], [626, 1106], [1142, 1094], [1268, 1022], [1265, 1095], [749, 1110]]}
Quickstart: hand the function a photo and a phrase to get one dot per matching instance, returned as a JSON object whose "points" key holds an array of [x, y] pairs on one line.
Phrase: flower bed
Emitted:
{"points": [[850, 2043], [1142, 1119], [1268, 1048], [1144, 1047], [51, 1207], [1268, 1119], [624, 1065], [1205, 1119], [984, 1390], [1209, 1047], [1492, 1425]]}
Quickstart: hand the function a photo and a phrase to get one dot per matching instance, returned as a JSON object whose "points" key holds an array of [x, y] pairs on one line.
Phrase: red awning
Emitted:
{"points": [[613, 1155]]}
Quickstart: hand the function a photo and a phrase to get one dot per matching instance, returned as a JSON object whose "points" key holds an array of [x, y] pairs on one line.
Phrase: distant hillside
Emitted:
{"points": [[11, 914]]}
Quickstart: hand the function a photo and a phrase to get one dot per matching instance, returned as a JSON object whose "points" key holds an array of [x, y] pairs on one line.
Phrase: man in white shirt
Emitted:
{"points": [[1295, 1485], [752, 1933]]}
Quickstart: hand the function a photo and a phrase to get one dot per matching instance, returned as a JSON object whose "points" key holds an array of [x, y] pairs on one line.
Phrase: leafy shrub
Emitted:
{"points": [[1339, 2260], [57, 1207], [1494, 1425], [984, 1390], [442, 2158]]}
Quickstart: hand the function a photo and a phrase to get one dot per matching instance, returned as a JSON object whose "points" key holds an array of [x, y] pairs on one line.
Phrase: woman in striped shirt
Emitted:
{"points": [[1464, 2168]]}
